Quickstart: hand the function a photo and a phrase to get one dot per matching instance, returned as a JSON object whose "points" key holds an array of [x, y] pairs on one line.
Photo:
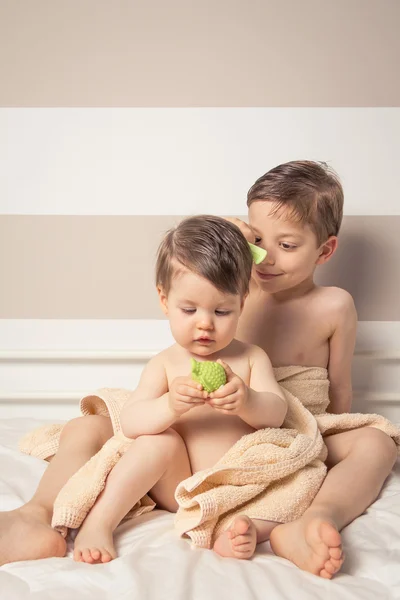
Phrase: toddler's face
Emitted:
{"points": [[202, 319], [292, 248]]}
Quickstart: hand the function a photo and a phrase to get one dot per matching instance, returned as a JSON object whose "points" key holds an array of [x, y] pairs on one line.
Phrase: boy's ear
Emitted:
{"points": [[163, 299], [242, 301], [327, 249]]}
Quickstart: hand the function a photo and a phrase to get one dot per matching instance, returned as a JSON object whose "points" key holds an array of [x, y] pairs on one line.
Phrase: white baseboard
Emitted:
{"points": [[46, 366]]}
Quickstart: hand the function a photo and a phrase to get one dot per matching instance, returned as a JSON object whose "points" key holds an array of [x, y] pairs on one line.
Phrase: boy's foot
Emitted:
{"points": [[239, 541], [311, 543], [94, 546], [25, 534]]}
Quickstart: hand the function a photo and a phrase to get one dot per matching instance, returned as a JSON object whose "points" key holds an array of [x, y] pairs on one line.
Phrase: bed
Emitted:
{"points": [[153, 563]]}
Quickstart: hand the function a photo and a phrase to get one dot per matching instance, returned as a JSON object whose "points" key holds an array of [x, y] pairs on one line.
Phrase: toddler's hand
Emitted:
{"points": [[231, 397], [244, 228], [185, 394]]}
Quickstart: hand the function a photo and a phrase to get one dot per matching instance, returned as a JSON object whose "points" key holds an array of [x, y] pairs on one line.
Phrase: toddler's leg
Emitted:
{"points": [[80, 439], [155, 464], [360, 461]]}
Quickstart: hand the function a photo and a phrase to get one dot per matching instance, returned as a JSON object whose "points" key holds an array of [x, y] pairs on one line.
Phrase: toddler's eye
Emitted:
{"points": [[189, 311], [287, 246], [257, 240], [222, 313]]}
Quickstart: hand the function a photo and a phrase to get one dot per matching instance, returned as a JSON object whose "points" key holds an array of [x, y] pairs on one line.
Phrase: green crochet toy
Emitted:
{"points": [[258, 253], [210, 374]]}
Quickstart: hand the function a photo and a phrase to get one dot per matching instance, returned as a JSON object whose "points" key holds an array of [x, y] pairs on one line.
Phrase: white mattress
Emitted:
{"points": [[154, 564]]}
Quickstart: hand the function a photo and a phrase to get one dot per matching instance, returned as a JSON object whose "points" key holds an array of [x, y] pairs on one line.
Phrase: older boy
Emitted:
{"points": [[295, 212]]}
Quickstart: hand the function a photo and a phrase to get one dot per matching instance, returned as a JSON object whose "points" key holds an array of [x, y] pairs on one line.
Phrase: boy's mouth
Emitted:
{"points": [[267, 276]]}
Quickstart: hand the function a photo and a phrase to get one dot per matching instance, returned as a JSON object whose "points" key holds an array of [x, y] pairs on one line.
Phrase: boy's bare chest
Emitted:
{"points": [[290, 335]]}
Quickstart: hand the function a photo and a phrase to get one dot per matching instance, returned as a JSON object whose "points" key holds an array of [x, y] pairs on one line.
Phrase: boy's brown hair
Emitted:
{"points": [[212, 248], [310, 190]]}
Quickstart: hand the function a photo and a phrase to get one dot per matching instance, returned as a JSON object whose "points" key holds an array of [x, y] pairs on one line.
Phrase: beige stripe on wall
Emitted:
{"points": [[101, 267], [179, 53]]}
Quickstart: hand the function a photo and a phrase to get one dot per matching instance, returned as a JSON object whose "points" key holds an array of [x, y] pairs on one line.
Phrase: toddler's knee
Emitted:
{"points": [[92, 427], [168, 441]]}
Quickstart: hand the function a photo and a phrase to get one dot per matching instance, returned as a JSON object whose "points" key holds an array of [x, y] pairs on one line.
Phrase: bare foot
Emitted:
{"points": [[239, 541], [94, 545], [311, 543], [25, 534]]}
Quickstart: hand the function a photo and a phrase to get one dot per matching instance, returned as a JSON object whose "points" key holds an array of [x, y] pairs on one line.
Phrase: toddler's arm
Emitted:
{"points": [[266, 406], [341, 350], [154, 407]]}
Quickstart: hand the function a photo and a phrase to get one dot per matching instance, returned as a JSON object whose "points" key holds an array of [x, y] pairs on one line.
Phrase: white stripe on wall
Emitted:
{"points": [[145, 161], [46, 365]]}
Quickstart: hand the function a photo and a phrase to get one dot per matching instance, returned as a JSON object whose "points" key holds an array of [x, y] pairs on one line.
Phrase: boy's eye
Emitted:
{"points": [[287, 246], [189, 311], [222, 313]]}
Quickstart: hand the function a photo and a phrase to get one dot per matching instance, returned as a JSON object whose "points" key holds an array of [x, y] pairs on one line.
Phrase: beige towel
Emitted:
{"points": [[81, 491], [273, 473]]}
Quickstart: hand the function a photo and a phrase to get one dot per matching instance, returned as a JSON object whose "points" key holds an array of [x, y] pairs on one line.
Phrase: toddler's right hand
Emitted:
{"points": [[185, 394], [244, 228]]}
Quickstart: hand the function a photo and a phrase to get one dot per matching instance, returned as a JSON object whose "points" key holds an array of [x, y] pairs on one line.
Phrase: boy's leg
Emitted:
{"points": [[80, 439], [359, 461], [154, 464]]}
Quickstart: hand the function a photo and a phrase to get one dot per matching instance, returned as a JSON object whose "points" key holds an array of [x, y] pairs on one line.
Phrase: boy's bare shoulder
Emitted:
{"points": [[337, 304], [336, 298]]}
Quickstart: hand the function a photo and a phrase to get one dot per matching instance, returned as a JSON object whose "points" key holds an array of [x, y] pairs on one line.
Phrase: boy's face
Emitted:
{"points": [[203, 320], [293, 252]]}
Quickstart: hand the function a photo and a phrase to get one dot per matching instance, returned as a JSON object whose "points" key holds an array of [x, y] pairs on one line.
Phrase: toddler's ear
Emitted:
{"points": [[163, 299], [327, 249]]}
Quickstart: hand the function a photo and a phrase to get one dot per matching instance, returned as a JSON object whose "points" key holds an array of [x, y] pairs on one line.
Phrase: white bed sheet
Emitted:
{"points": [[154, 564]]}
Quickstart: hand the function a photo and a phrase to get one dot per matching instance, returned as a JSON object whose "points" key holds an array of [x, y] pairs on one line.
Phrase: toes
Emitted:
{"points": [[325, 575], [330, 568], [77, 555], [241, 525], [336, 553], [106, 556], [241, 539], [96, 553], [87, 556]]}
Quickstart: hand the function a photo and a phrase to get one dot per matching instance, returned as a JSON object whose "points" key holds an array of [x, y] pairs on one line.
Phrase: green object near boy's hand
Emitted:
{"points": [[258, 253], [210, 374]]}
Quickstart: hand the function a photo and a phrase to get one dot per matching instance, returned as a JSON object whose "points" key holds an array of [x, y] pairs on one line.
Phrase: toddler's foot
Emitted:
{"points": [[311, 543], [94, 545], [239, 541], [25, 534]]}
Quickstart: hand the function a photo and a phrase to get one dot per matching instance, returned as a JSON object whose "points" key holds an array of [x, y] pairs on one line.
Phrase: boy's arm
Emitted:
{"points": [[341, 350]]}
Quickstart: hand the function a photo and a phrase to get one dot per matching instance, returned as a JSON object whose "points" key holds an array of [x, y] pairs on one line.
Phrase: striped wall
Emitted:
{"points": [[118, 118]]}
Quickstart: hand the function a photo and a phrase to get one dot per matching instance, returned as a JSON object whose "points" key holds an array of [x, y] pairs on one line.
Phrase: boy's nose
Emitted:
{"points": [[269, 259]]}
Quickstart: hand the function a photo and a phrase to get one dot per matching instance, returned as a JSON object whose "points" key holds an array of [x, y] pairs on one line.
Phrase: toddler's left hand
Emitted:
{"points": [[231, 397]]}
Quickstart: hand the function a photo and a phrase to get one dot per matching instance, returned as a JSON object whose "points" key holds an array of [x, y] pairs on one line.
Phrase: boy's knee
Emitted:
{"points": [[378, 444]]}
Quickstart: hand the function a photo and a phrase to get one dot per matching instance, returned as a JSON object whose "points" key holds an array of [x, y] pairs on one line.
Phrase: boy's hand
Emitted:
{"points": [[185, 394], [244, 228], [231, 397]]}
